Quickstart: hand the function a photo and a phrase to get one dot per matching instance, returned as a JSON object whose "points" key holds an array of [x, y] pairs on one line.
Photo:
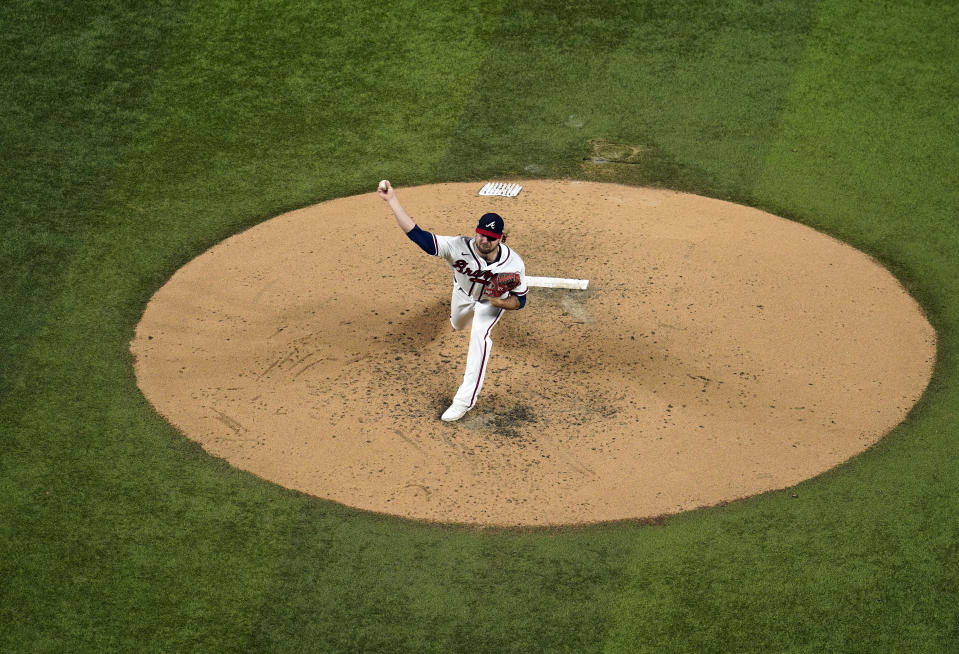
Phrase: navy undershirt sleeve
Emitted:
{"points": [[424, 239], [522, 300]]}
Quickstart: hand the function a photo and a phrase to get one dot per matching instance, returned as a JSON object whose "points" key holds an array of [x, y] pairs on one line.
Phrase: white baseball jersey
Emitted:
{"points": [[471, 271]]}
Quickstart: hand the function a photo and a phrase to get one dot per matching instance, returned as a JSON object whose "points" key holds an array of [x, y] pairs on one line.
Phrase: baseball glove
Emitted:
{"points": [[501, 283]]}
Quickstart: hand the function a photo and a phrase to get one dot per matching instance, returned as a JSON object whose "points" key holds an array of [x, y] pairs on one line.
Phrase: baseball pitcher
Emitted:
{"points": [[489, 278]]}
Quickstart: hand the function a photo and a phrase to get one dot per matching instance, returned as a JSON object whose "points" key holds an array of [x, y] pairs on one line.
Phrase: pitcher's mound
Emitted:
{"points": [[719, 352]]}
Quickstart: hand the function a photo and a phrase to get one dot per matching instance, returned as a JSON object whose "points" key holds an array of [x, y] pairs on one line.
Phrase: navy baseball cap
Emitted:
{"points": [[490, 225]]}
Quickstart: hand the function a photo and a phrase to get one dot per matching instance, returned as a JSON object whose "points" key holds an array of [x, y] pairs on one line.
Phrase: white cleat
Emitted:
{"points": [[455, 412]]}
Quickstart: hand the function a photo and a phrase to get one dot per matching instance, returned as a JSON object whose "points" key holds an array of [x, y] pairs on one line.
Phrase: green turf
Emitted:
{"points": [[74, 78], [700, 89], [862, 560], [381, 585], [133, 138]]}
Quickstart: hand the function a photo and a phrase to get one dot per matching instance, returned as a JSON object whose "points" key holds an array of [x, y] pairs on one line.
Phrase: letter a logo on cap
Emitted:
{"points": [[490, 225]]}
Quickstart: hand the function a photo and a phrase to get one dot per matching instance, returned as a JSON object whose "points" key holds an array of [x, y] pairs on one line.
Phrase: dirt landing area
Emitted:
{"points": [[719, 352]]}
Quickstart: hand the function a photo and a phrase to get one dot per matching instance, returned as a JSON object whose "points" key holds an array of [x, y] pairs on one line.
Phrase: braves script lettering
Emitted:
{"points": [[478, 276]]}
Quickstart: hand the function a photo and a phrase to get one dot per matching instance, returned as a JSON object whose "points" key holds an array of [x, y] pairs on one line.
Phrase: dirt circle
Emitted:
{"points": [[719, 352]]}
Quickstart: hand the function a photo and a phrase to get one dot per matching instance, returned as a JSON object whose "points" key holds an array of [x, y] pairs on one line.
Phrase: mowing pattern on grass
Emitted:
{"points": [[135, 136]]}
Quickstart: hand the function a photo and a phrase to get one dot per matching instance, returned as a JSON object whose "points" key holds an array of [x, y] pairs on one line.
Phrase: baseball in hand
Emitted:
{"points": [[384, 185]]}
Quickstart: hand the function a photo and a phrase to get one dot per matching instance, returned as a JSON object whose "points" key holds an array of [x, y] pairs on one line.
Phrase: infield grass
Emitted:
{"points": [[135, 137]]}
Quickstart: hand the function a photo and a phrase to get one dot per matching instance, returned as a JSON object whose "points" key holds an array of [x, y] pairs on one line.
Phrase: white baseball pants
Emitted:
{"points": [[465, 310]]}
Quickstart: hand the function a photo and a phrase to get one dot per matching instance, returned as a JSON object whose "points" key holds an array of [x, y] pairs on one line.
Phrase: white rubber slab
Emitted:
{"points": [[501, 188], [557, 282]]}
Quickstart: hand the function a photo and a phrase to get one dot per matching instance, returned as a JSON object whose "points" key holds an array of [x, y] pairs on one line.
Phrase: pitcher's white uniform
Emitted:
{"points": [[471, 273]]}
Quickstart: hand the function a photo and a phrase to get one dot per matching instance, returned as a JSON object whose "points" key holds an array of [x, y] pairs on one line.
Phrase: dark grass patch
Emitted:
{"points": [[437, 588], [75, 81]]}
